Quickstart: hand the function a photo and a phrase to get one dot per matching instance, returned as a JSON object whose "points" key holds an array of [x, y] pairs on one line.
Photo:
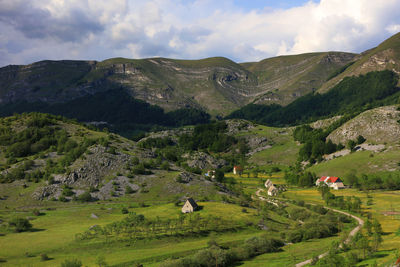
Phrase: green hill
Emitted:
{"points": [[385, 56]]}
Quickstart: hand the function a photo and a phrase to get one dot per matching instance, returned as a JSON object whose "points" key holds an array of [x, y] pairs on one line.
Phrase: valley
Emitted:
{"points": [[97, 160]]}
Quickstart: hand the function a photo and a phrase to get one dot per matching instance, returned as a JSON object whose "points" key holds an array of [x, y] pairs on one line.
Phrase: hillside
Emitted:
{"points": [[45, 157], [385, 56], [378, 126], [285, 78]]}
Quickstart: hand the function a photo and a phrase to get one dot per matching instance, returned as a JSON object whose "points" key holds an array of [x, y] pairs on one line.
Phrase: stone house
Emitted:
{"points": [[268, 183], [189, 206], [273, 191]]}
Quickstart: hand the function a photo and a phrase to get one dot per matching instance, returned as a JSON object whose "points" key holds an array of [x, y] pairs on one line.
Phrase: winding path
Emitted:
{"points": [[351, 234]]}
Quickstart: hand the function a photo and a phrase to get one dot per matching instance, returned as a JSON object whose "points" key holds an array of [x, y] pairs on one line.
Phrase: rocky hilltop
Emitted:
{"points": [[377, 126]]}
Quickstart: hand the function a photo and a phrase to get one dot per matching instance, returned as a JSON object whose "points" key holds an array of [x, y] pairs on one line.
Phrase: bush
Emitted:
{"points": [[85, 197], [20, 224], [129, 190], [44, 257], [37, 212], [67, 191], [124, 210], [71, 263]]}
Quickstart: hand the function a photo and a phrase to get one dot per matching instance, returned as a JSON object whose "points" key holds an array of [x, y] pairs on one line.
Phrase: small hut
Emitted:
{"points": [[190, 206]]}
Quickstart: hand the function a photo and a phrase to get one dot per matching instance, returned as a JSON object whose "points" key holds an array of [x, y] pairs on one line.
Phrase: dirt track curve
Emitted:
{"points": [[351, 234]]}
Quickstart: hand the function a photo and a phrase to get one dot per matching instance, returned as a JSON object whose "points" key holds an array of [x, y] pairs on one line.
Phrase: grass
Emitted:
{"points": [[55, 234], [280, 154], [361, 162], [283, 151]]}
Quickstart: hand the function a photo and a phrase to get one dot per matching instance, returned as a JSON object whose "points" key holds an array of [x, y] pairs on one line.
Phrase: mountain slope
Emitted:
{"points": [[377, 126], [386, 56], [285, 78]]}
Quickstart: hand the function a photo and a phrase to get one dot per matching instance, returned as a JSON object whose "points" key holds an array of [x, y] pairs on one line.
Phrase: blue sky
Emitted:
{"points": [[33, 30]]}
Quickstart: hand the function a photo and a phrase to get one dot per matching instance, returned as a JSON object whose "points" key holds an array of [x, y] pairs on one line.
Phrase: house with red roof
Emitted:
{"points": [[333, 182], [237, 170]]}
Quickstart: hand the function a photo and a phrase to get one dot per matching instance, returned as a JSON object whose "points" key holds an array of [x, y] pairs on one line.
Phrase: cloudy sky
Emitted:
{"points": [[242, 30]]}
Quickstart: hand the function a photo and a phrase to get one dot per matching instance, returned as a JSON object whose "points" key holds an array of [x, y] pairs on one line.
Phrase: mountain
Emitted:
{"points": [[89, 90], [215, 85]]}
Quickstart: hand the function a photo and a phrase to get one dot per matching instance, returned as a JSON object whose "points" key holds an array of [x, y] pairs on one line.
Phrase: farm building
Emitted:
{"points": [[237, 170], [272, 191], [268, 183], [190, 206], [333, 182]]}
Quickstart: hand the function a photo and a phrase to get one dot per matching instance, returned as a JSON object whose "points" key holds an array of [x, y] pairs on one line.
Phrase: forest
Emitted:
{"points": [[351, 96]]}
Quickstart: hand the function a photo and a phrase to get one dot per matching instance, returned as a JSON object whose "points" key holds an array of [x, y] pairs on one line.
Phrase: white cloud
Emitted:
{"points": [[32, 30]]}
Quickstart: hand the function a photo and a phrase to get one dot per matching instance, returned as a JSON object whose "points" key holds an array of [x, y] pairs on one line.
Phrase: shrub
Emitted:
{"points": [[37, 212], [129, 190], [67, 191], [44, 257], [124, 210], [85, 197], [20, 224]]}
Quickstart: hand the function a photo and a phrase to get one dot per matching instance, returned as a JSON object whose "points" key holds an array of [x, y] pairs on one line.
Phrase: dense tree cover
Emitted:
{"points": [[254, 112], [117, 108], [218, 256], [314, 142], [350, 95], [350, 203], [296, 176], [390, 181], [209, 137]]}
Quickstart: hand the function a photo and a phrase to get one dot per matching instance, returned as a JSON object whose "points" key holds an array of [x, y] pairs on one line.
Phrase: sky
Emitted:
{"points": [[242, 30]]}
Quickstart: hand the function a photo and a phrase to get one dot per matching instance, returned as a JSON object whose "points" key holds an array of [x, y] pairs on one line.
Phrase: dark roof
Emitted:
{"points": [[192, 202]]}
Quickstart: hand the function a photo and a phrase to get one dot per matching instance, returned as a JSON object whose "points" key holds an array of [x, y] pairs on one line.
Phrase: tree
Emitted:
{"points": [[376, 240], [377, 226], [360, 139], [20, 224], [219, 176], [351, 144], [368, 227]]}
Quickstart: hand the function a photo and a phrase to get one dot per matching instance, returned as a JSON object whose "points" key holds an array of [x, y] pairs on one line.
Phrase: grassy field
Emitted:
{"points": [[361, 162], [55, 231], [283, 151]]}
